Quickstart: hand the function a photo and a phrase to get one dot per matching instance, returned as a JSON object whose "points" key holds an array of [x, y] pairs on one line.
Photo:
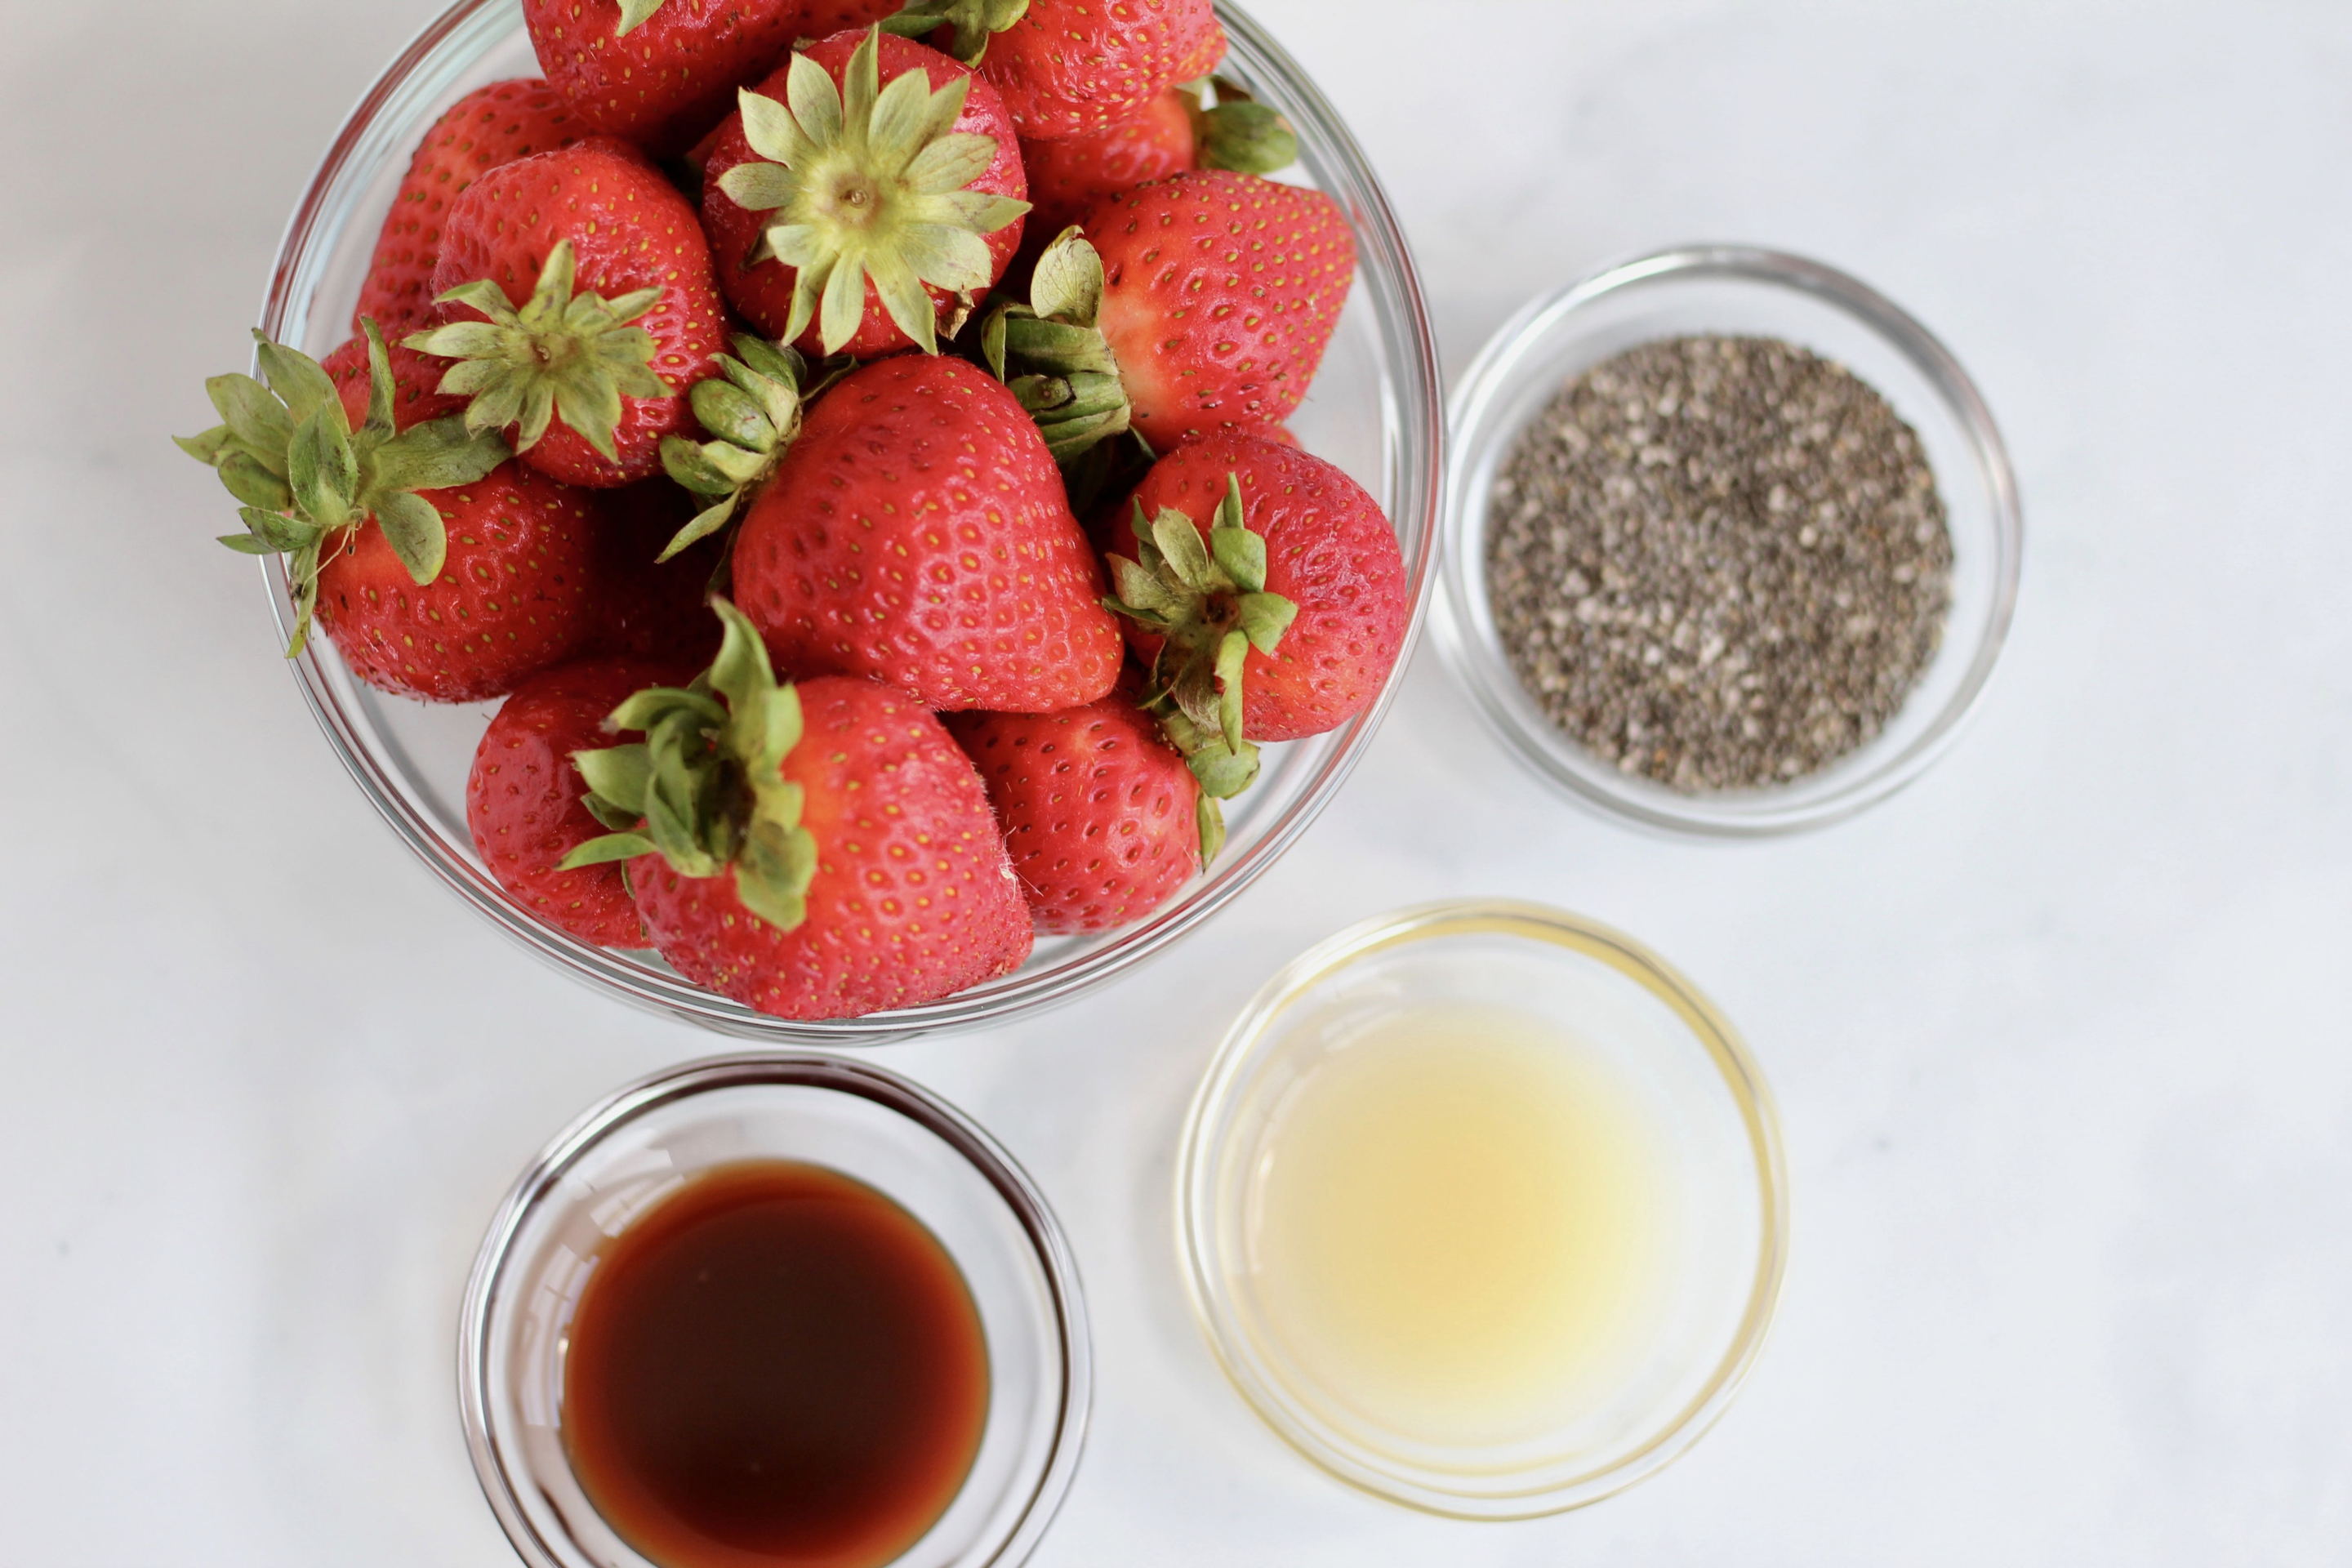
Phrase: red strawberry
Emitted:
{"points": [[1326, 550], [917, 532], [523, 796], [1208, 53], [658, 72], [1280, 434], [1070, 177], [582, 309], [1070, 65], [819, 851], [1106, 524], [511, 599], [644, 606], [824, 18], [869, 222], [1220, 292], [440, 571], [487, 127], [512, 595], [1102, 819], [514, 585], [414, 396]]}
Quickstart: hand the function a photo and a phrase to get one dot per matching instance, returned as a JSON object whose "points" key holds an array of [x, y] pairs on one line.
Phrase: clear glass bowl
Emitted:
{"points": [[632, 1151], [1737, 290], [1722, 1225], [1375, 410]]}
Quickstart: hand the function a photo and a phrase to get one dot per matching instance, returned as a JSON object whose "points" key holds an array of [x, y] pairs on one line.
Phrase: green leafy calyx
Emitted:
{"points": [[974, 21], [866, 183], [752, 410], [304, 479], [704, 789], [1051, 355], [634, 13], [1205, 597], [566, 352], [1239, 133]]}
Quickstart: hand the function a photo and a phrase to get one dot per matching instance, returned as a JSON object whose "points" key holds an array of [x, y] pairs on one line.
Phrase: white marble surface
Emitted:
{"points": [[2060, 1035]]}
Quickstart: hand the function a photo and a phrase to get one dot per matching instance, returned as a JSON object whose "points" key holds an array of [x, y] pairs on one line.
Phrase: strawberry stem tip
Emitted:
{"points": [[303, 476], [569, 352], [1206, 599], [866, 184], [974, 21], [704, 789], [752, 411], [1050, 354]]}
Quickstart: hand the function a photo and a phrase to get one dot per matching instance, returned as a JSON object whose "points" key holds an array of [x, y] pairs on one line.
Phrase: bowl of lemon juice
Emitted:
{"points": [[1481, 1207]]}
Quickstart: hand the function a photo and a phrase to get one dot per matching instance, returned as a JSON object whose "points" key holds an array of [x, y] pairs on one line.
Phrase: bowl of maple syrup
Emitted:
{"points": [[768, 1310]]}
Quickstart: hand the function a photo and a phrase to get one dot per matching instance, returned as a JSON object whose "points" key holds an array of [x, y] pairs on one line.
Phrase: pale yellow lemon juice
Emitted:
{"points": [[1480, 1206], [1458, 1224]]}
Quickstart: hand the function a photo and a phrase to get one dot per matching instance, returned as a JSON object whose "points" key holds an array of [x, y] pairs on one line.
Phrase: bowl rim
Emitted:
{"points": [[1401, 320], [1473, 417], [1201, 1151], [668, 1085]]}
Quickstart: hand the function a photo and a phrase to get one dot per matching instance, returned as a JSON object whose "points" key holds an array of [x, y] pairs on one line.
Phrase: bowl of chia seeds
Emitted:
{"points": [[1732, 542]]}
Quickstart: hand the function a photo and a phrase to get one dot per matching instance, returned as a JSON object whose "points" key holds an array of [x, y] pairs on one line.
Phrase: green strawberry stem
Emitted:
{"points": [[567, 352], [303, 476], [752, 410], [974, 21], [703, 789], [866, 184], [1221, 772], [1205, 598], [1050, 354]]}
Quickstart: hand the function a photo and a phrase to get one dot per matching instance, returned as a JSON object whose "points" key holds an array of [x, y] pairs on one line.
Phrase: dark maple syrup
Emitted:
{"points": [[775, 1364]]}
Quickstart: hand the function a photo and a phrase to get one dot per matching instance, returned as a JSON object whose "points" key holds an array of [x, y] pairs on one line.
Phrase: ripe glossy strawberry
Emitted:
{"points": [[523, 796], [659, 72], [441, 570], [581, 311], [817, 851], [1099, 814], [1220, 293], [646, 606], [917, 532], [823, 19], [512, 597], [1072, 66], [1070, 177], [870, 224], [513, 594], [1327, 549], [1107, 521], [487, 127]]}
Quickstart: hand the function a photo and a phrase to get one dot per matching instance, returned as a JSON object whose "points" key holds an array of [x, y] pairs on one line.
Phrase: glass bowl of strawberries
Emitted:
{"points": [[838, 519]]}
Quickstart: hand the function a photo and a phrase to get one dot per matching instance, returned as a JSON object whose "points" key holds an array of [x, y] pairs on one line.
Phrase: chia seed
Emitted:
{"points": [[1718, 563]]}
